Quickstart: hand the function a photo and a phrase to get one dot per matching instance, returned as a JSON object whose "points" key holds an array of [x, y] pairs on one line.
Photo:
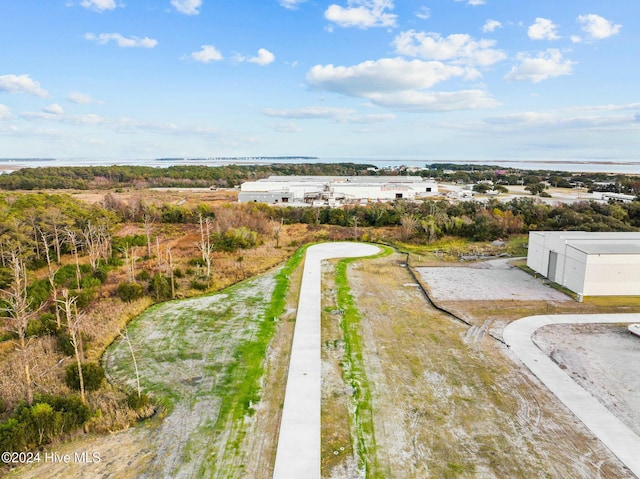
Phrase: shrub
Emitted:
{"points": [[63, 344], [143, 275], [101, 275], [130, 291], [92, 375], [160, 285], [137, 402], [177, 273], [199, 285], [91, 282], [39, 424]]}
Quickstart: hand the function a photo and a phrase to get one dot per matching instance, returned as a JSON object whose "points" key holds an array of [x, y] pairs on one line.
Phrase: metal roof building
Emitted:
{"points": [[332, 190], [590, 264]]}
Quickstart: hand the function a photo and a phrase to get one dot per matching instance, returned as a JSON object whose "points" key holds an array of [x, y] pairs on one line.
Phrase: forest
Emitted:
{"points": [[73, 273]]}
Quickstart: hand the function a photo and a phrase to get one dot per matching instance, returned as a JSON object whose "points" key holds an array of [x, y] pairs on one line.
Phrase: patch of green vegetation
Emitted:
{"points": [[354, 372], [239, 388]]}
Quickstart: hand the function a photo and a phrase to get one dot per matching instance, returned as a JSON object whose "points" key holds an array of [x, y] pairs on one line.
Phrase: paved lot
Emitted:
{"points": [[617, 436], [298, 453], [486, 280]]}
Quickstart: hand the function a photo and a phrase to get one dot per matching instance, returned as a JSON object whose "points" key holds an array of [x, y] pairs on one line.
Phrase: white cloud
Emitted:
{"points": [[423, 13], [264, 57], [121, 41], [188, 7], [5, 113], [473, 3], [206, 54], [430, 101], [98, 5], [310, 113], [459, 48], [387, 74], [545, 65], [286, 127], [362, 14], [543, 29], [342, 115], [21, 84], [491, 26], [53, 109], [398, 83], [291, 4], [80, 98], [597, 27]]}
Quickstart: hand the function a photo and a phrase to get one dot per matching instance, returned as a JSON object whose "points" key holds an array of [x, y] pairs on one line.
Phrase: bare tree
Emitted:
{"points": [[74, 323], [51, 277], [20, 313], [276, 229], [125, 336], [97, 241], [205, 246], [75, 246], [147, 223], [408, 224], [173, 282], [130, 262]]}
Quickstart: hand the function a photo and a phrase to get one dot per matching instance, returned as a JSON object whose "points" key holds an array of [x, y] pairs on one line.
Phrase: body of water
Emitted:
{"points": [[7, 165]]}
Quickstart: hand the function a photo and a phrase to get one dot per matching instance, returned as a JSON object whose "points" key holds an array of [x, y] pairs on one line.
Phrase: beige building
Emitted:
{"points": [[590, 264]]}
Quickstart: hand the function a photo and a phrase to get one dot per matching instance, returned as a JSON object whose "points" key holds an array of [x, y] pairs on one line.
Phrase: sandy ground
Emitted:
{"points": [[486, 280], [604, 359]]}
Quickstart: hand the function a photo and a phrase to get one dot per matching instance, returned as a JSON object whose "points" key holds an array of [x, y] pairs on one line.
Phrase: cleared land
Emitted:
{"points": [[408, 391]]}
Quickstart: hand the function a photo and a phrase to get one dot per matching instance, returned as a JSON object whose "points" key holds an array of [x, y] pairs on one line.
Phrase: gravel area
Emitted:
{"points": [[486, 280]]}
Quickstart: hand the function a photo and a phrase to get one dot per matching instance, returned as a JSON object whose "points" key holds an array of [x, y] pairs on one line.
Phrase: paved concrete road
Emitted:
{"points": [[621, 440], [298, 453]]}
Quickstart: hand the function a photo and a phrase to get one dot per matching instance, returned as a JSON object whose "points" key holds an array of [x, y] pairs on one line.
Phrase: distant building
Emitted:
{"points": [[335, 190], [619, 197], [590, 264]]}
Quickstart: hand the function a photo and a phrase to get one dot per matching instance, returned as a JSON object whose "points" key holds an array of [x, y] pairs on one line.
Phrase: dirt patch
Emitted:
{"points": [[493, 280], [601, 358]]}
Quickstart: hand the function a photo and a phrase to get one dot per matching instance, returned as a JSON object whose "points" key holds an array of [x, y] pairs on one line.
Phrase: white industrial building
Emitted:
{"points": [[589, 264], [335, 190]]}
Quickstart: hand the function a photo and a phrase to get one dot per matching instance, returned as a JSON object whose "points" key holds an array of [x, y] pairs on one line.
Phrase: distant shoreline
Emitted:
{"points": [[8, 165]]}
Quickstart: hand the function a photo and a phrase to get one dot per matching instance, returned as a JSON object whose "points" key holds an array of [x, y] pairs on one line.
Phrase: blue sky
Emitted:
{"points": [[435, 80]]}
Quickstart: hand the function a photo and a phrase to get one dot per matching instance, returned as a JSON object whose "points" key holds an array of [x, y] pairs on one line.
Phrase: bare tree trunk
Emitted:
{"points": [[135, 363], [51, 277], [148, 230], [173, 283], [20, 313], [73, 325], [73, 237]]}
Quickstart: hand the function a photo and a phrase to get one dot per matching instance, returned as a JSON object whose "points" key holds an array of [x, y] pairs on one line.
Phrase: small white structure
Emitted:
{"points": [[332, 190], [619, 197], [590, 264]]}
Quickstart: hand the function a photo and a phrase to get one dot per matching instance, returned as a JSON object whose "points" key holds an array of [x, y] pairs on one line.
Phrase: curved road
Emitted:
{"points": [[298, 453], [621, 440]]}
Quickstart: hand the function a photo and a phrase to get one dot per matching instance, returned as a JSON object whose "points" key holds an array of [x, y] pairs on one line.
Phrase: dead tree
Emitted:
{"points": [[75, 247], [205, 246], [74, 322], [125, 336], [147, 223], [20, 313], [51, 277]]}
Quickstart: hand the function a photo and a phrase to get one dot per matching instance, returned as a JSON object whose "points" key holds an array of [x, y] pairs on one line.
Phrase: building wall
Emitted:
{"points": [[612, 275], [588, 274], [573, 268]]}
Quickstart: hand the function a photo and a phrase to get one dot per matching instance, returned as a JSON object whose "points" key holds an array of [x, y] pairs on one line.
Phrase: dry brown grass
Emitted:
{"points": [[448, 402]]}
